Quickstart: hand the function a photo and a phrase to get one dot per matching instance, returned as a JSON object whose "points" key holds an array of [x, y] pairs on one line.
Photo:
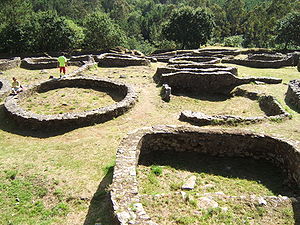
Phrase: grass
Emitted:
{"points": [[67, 100], [229, 175], [28, 200], [26, 77], [165, 210], [76, 167]]}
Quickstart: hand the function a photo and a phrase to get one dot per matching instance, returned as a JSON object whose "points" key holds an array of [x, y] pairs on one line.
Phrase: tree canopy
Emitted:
{"points": [[28, 25], [189, 27]]}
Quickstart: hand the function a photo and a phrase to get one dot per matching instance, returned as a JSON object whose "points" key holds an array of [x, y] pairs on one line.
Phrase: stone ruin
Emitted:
{"points": [[268, 104], [139, 144], [5, 88], [39, 63], [31, 120], [166, 56], [194, 59], [199, 82], [7, 64], [262, 60], [120, 60], [293, 94], [81, 60]]}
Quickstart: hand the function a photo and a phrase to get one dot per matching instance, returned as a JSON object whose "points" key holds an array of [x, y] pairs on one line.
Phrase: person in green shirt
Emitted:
{"points": [[62, 63]]}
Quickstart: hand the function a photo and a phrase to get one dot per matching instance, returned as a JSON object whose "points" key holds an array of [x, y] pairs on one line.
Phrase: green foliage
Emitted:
{"points": [[44, 31], [157, 170], [65, 34], [102, 32], [51, 25], [288, 30], [234, 41], [189, 27]]}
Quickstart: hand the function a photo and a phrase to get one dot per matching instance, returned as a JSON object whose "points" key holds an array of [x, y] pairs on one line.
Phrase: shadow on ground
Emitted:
{"points": [[261, 171], [101, 210]]}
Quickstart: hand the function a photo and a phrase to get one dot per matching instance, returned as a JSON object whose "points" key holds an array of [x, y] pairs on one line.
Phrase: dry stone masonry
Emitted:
{"points": [[233, 143], [39, 63], [262, 60], [5, 88], [32, 120], [268, 104], [120, 60], [199, 74], [7, 64], [293, 93]]}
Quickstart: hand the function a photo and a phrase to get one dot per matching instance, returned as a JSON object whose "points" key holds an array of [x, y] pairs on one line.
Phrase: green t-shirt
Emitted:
{"points": [[62, 61]]}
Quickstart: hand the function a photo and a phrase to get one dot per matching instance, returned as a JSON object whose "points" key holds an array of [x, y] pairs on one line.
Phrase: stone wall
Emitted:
{"points": [[166, 56], [267, 57], [32, 120], [7, 64], [194, 59], [80, 60], [220, 53], [119, 60], [293, 94], [39, 63], [233, 143], [5, 88], [287, 61], [207, 82], [268, 104]]}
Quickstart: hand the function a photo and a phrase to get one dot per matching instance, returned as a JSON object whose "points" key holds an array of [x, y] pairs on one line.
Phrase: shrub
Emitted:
{"points": [[234, 41]]}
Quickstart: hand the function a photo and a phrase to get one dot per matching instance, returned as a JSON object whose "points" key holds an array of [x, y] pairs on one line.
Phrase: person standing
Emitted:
{"points": [[62, 63]]}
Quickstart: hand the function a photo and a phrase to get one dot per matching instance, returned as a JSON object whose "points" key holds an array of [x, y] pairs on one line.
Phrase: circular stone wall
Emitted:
{"points": [[293, 94], [120, 60], [194, 59], [39, 63], [71, 120], [233, 143], [6, 64], [5, 88]]}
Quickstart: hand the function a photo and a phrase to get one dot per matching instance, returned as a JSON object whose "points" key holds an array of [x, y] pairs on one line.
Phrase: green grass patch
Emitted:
{"points": [[67, 100]]}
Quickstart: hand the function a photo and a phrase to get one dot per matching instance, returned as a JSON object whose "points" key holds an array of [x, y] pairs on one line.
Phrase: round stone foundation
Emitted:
{"points": [[32, 120], [5, 88], [293, 94], [39, 63], [7, 64], [230, 143]]}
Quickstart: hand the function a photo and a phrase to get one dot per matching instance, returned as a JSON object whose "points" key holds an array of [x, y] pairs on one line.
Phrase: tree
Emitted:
{"points": [[288, 30], [189, 27], [56, 33], [44, 31], [102, 32], [235, 11]]}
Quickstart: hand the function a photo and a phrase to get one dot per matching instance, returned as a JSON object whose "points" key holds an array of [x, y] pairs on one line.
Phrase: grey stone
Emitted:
{"points": [[7, 64], [261, 201], [31, 120], [121, 60], [293, 93], [190, 183], [218, 142], [206, 203]]}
